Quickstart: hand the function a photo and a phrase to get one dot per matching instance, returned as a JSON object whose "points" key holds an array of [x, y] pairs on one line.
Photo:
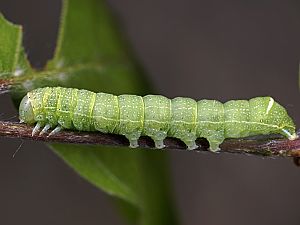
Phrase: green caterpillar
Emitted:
{"points": [[153, 115]]}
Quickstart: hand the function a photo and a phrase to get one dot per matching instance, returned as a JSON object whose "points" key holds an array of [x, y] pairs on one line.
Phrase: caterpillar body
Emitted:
{"points": [[153, 115]]}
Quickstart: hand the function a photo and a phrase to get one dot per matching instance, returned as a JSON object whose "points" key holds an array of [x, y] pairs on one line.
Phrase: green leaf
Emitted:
{"points": [[90, 45], [87, 34], [10, 46], [102, 168], [92, 54], [136, 176]]}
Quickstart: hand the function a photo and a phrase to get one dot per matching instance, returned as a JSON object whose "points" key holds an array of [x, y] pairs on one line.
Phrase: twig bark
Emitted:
{"points": [[270, 145], [5, 84]]}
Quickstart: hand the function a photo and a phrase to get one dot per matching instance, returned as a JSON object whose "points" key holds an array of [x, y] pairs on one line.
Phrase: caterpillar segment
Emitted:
{"points": [[153, 115]]}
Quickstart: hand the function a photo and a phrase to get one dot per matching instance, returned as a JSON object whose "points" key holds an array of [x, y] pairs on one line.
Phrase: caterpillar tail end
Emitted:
{"points": [[290, 136], [293, 136]]}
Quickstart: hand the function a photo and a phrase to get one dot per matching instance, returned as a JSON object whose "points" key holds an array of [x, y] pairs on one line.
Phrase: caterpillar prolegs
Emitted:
{"points": [[153, 115]]}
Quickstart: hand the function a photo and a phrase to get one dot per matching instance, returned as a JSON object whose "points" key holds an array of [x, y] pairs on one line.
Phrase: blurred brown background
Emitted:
{"points": [[201, 49]]}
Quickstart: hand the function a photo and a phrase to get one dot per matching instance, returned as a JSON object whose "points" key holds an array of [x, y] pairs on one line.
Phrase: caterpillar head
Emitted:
{"points": [[26, 114]]}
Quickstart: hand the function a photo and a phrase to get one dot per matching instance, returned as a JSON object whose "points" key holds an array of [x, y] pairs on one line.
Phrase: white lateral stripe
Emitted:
{"points": [[287, 133], [178, 121], [290, 136], [271, 103]]}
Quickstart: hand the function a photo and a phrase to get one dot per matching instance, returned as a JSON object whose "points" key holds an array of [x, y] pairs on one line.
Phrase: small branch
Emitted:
{"points": [[5, 85], [270, 145]]}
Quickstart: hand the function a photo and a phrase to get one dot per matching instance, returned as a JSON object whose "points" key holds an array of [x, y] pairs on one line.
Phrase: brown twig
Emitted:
{"points": [[5, 85], [260, 145]]}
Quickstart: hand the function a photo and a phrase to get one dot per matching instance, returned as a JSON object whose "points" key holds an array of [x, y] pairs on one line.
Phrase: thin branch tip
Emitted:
{"points": [[5, 85]]}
